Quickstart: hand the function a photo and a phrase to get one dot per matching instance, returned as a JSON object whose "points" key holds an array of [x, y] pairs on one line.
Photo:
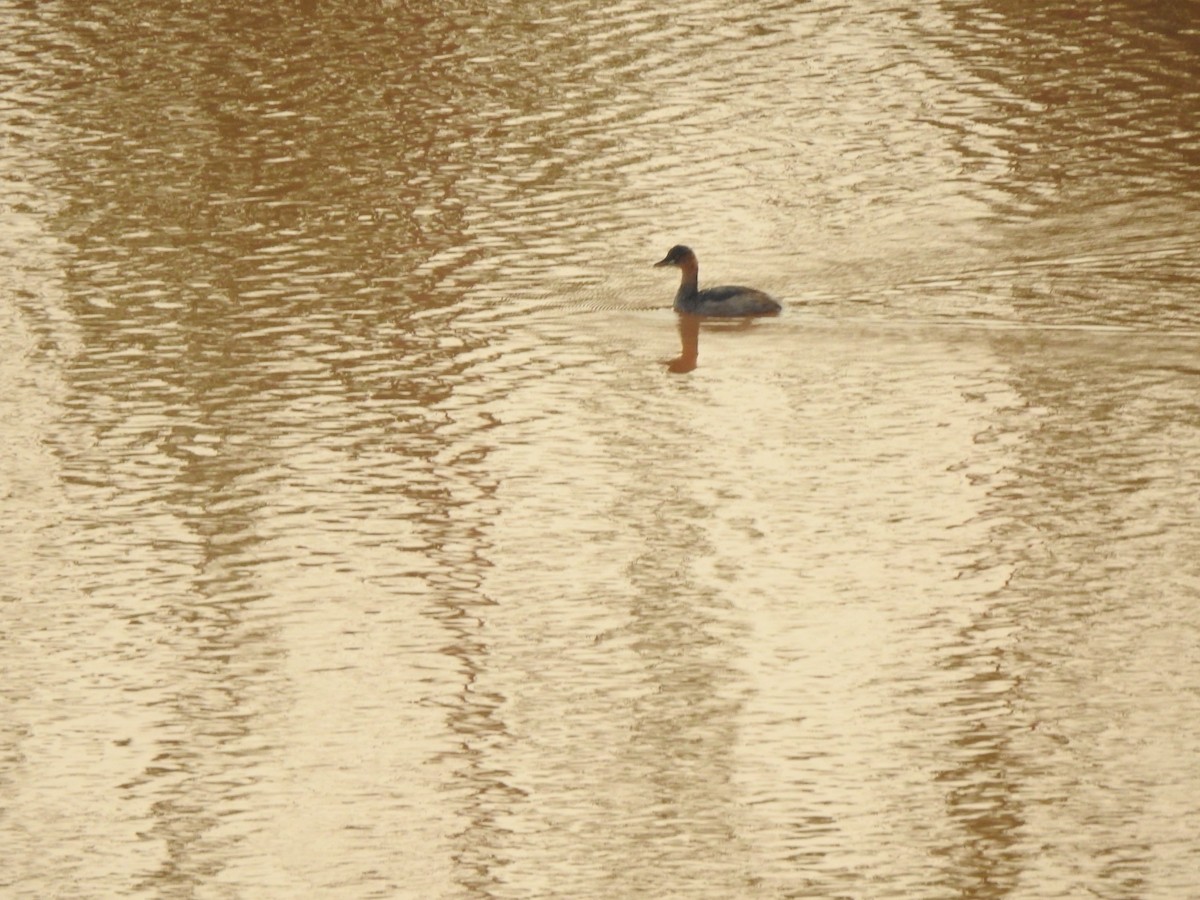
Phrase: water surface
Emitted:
{"points": [[359, 539]]}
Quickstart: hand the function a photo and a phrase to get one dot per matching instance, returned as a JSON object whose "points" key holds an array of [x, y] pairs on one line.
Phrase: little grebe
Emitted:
{"points": [[727, 300]]}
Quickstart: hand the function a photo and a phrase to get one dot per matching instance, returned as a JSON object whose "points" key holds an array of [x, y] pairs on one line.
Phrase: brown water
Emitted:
{"points": [[359, 541]]}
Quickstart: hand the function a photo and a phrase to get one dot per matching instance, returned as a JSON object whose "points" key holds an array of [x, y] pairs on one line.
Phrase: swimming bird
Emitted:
{"points": [[727, 300]]}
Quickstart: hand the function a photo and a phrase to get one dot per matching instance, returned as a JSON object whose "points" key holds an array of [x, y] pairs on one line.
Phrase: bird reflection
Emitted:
{"points": [[689, 344], [689, 338]]}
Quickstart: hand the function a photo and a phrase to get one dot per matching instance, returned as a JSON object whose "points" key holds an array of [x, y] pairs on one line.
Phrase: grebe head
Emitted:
{"points": [[678, 255]]}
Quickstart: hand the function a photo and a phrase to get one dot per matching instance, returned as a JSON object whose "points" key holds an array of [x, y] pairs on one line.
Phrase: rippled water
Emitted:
{"points": [[371, 527]]}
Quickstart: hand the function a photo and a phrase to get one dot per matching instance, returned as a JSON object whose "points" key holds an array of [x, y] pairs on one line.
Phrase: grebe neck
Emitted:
{"points": [[690, 271]]}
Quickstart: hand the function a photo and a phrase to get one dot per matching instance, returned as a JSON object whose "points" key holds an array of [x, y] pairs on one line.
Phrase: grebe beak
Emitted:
{"points": [[662, 262]]}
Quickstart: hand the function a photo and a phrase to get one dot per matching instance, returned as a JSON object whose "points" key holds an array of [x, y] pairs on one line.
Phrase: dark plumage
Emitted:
{"points": [[727, 300]]}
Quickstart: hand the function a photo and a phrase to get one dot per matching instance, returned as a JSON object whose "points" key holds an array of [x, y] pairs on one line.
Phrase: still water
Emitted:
{"points": [[372, 528]]}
